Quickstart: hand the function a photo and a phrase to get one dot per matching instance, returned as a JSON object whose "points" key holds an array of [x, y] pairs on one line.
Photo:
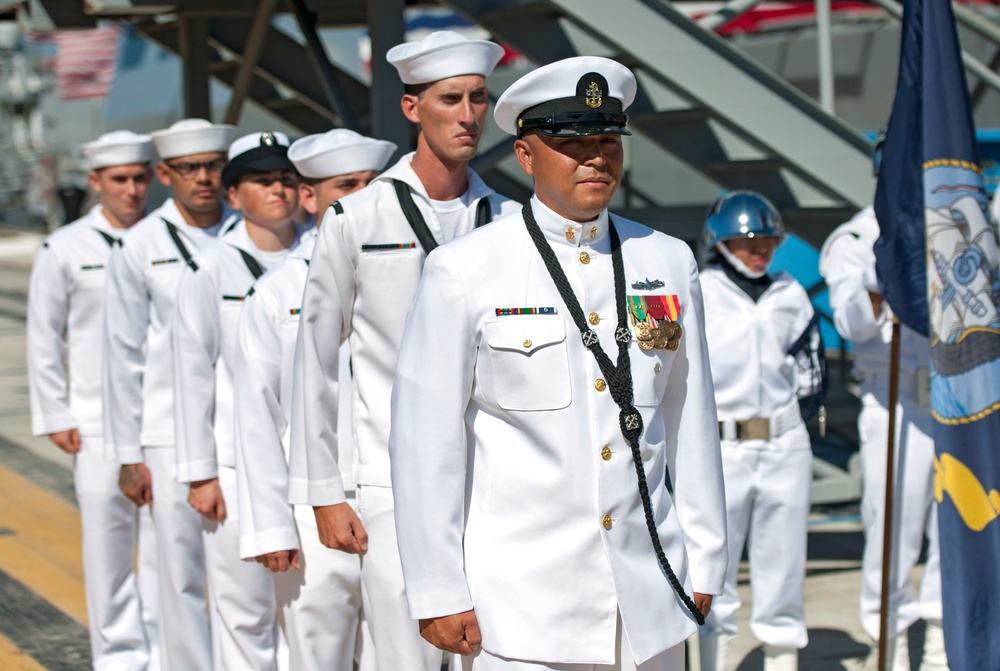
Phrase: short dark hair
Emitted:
{"points": [[415, 89]]}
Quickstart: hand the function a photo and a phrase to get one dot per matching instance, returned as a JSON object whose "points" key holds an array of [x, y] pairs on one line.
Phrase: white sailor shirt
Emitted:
{"points": [[143, 273]]}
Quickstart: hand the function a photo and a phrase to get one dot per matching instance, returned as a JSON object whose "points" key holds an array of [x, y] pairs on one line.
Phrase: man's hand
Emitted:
{"points": [[703, 602], [136, 483], [457, 633], [205, 496], [68, 440], [340, 528], [279, 561]]}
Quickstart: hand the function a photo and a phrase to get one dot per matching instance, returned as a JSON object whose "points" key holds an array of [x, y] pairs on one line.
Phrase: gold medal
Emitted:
{"points": [[645, 345], [642, 331], [660, 336], [674, 332]]}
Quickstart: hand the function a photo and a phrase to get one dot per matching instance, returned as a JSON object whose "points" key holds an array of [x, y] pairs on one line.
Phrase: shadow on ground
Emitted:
{"points": [[828, 650]]}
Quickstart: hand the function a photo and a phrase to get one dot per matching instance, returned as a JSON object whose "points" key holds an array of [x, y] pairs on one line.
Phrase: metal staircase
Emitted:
{"points": [[703, 101]]}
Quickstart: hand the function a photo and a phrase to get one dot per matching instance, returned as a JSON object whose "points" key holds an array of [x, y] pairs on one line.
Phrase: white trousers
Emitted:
{"points": [[671, 659], [767, 507], [396, 638], [121, 602], [244, 610], [915, 515], [185, 644], [320, 605]]}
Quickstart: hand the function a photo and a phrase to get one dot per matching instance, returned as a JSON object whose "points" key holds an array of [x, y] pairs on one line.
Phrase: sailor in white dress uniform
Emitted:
{"points": [[143, 273], [65, 325], [262, 183], [363, 273], [764, 345], [318, 589], [528, 387], [847, 262]]}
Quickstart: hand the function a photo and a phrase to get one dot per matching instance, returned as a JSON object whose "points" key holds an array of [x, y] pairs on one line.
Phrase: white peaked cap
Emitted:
{"points": [[338, 152], [192, 136], [120, 147], [256, 141], [443, 54], [559, 83]]}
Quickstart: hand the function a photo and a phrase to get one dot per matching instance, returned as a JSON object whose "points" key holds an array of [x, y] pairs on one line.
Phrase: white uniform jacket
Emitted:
{"points": [[748, 344], [362, 278], [845, 258], [209, 303], [515, 491], [143, 273], [265, 352], [65, 324]]}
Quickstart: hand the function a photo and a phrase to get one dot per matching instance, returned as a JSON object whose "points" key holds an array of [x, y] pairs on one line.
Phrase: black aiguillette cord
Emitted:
{"points": [[619, 377]]}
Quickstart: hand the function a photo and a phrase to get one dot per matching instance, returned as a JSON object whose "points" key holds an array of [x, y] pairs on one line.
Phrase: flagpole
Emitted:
{"points": [[890, 457]]}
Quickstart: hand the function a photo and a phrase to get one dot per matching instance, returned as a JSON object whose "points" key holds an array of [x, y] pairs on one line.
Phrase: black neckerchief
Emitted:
{"points": [[752, 287], [484, 214], [110, 239], [181, 247], [619, 377]]}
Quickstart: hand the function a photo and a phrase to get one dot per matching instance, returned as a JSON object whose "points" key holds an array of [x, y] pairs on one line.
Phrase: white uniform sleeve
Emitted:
{"points": [[195, 334], [314, 476], [848, 259], [126, 321], [427, 443], [48, 307], [266, 520], [694, 457]]}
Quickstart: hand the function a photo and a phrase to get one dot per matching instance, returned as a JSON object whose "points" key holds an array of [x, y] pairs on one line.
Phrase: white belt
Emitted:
{"points": [[762, 428]]}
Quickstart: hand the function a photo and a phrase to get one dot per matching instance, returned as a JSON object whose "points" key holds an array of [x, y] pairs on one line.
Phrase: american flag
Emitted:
{"points": [[85, 62]]}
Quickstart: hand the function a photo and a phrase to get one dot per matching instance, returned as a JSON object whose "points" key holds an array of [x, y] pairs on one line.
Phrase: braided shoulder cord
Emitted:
{"points": [[619, 377]]}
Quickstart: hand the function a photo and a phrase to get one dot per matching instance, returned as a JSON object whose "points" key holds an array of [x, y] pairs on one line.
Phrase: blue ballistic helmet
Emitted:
{"points": [[742, 214]]}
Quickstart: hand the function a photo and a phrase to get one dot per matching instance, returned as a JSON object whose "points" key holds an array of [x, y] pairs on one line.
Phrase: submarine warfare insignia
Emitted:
{"points": [[647, 285]]}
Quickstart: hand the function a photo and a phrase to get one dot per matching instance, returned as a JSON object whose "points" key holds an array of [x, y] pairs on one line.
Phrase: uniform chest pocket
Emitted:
{"points": [[529, 362], [650, 371]]}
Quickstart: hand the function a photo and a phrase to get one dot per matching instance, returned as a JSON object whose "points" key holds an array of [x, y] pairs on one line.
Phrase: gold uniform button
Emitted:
{"points": [[606, 453], [600, 384], [527, 343], [584, 258], [594, 318], [606, 521]]}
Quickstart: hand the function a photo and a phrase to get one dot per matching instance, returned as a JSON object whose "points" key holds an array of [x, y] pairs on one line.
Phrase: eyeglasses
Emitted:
{"points": [[187, 169]]}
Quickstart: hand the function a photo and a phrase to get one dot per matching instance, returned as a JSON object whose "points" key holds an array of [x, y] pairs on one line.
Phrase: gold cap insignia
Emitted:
{"points": [[594, 96], [267, 139], [520, 123]]}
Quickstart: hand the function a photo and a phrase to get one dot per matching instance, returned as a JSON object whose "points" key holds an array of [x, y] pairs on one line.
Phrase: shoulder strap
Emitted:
{"points": [[413, 216], [803, 339], [484, 212], [110, 239], [253, 265], [176, 237], [337, 207]]}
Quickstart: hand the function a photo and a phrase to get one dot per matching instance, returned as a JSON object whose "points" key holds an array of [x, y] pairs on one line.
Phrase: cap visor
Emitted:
{"points": [[581, 130]]}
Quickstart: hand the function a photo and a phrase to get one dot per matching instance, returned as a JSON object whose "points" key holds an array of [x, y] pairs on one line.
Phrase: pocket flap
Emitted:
{"points": [[525, 334]]}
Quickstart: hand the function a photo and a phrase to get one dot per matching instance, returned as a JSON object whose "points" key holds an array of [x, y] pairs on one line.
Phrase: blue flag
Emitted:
{"points": [[937, 259]]}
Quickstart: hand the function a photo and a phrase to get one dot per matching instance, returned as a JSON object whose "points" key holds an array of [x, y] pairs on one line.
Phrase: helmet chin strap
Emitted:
{"points": [[736, 263]]}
